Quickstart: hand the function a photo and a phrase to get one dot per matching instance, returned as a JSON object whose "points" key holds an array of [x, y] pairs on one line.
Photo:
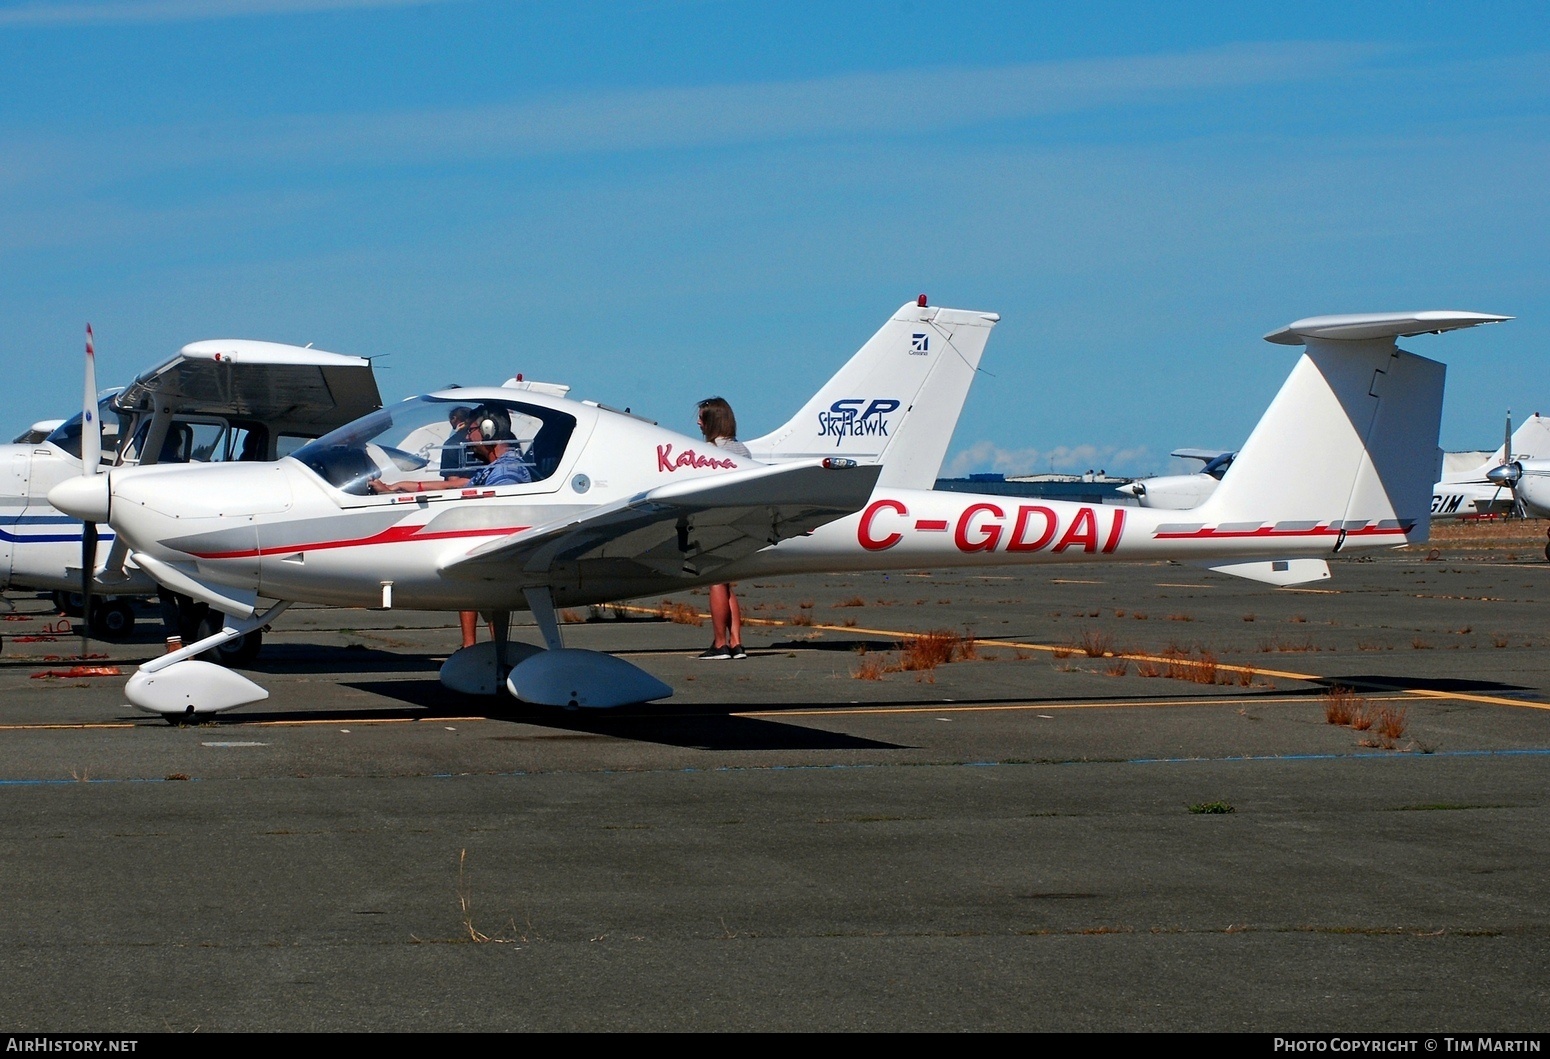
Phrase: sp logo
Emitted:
{"points": [[854, 417]]}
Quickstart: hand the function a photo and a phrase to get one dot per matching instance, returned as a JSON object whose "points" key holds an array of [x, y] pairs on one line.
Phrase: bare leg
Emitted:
{"points": [[735, 620], [469, 620], [720, 614]]}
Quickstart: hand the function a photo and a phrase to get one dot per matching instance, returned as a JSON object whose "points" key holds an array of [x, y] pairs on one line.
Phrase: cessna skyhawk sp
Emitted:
{"points": [[606, 505], [225, 399]]}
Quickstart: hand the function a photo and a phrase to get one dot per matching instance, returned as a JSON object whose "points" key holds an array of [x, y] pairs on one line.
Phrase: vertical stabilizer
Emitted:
{"points": [[896, 401], [1348, 446]]}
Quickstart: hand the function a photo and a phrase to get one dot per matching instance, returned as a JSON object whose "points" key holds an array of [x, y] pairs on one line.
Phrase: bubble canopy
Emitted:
{"points": [[417, 439]]}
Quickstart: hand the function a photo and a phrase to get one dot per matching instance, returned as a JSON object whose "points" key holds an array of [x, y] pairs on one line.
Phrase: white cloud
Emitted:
{"points": [[987, 456], [903, 102]]}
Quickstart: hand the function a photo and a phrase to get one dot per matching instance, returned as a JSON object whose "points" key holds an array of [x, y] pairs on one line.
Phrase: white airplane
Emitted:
{"points": [[220, 400], [619, 507], [1523, 469], [1181, 491], [1506, 481]]}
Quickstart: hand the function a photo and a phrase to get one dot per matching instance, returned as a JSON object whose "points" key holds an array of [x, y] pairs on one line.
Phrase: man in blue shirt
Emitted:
{"points": [[490, 435], [491, 440]]}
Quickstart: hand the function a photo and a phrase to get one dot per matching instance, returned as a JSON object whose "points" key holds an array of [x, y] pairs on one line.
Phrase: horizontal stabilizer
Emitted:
{"points": [[1354, 326], [1279, 572]]}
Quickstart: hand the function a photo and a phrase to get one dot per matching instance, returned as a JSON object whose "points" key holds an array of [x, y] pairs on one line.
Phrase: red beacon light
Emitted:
{"points": [[921, 301]]}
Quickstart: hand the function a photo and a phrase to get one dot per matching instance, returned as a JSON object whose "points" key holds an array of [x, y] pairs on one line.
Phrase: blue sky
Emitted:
{"points": [[658, 201]]}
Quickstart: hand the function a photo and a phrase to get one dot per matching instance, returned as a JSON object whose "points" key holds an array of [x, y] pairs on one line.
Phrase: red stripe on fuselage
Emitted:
{"points": [[391, 535], [1271, 531]]}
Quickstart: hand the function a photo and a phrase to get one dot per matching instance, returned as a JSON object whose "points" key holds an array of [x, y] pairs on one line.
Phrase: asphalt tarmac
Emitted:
{"points": [[1041, 837]]}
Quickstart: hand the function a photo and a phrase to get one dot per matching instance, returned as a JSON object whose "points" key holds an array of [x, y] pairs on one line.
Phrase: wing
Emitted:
{"points": [[683, 530]]}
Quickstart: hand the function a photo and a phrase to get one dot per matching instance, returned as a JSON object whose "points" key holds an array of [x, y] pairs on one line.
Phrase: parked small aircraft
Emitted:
{"points": [[618, 507], [1181, 491], [1522, 469], [213, 401]]}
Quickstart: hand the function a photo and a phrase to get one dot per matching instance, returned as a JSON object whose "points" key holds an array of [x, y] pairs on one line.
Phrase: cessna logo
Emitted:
{"points": [[846, 419], [666, 461]]}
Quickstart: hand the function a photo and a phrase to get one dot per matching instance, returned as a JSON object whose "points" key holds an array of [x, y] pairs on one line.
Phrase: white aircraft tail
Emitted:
{"points": [[896, 401], [1348, 447], [1531, 441]]}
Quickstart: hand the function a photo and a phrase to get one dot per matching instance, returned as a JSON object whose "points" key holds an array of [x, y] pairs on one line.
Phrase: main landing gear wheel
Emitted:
{"points": [[112, 620], [235, 653]]}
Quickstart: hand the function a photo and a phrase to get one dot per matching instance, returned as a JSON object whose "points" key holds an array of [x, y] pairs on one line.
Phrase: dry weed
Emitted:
{"points": [[870, 668], [679, 613], [1095, 643], [465, 903], [1118, 668], [1390, 721], [1341, 705], [800, 619], [853, 601], [928, 650]]}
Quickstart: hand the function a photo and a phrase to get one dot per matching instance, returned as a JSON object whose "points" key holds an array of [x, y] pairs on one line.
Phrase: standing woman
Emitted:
{"points": [[719, 426]]}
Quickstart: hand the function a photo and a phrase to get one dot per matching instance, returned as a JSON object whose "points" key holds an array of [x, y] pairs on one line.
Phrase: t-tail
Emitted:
{"points": [[1347, 451], [896, 401]]}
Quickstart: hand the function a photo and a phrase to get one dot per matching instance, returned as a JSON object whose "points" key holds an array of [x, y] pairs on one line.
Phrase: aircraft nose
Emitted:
{"points": [[85, 497]]}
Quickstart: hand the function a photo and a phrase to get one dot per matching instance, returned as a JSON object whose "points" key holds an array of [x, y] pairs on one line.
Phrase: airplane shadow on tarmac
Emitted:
{"points": [[710, 727], [1449, 685]]}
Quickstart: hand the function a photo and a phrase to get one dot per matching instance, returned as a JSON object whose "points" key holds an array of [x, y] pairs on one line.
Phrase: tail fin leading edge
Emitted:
{"points": [[1349, 443], [897, 400]]}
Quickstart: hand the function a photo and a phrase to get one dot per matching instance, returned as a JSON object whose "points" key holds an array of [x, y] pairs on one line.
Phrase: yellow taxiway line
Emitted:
{"points": [[1281, 674]]}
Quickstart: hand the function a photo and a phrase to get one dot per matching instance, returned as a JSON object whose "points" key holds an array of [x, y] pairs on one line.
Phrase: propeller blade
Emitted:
{"points": [[91, 430], [88, 565]]}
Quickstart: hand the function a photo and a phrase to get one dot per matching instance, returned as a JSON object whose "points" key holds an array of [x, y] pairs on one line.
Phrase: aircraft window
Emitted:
{"points": [[210, 442], [289, 443], [67, 435], [414, 441], [187, 441]]}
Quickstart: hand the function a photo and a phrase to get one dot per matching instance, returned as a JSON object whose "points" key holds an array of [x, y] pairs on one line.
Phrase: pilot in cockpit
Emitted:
{"points": [[490, 439]]}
